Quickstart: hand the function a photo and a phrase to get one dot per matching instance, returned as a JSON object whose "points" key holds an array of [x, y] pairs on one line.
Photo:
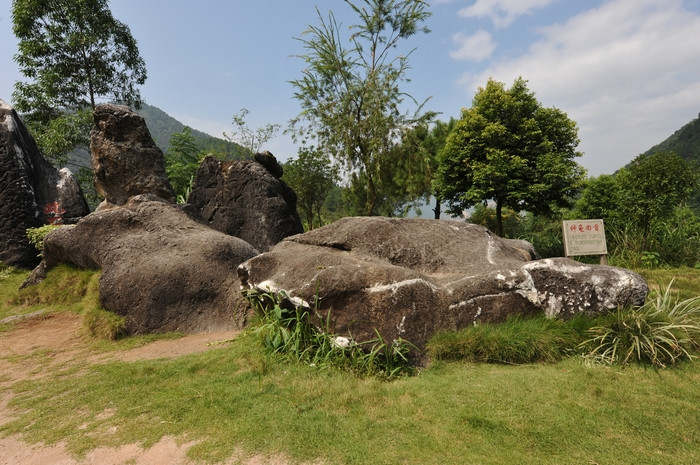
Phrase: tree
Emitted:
{"points": [[181, 162], [311, 176], [509, 149], [246, 137], [418, 162], [652, 186], [74, 52], [350, 96]]}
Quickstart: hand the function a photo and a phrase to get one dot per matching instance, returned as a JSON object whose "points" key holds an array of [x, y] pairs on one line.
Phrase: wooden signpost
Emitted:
{"points": [[585, 237]]}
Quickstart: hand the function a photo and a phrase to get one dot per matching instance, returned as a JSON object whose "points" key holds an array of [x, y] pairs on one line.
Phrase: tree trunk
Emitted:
{"points": [[437, 208], [371, 194], [499, 218]]}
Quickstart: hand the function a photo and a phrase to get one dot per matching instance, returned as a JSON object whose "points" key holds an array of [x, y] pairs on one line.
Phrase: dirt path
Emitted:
{"points": [[57, 339]]}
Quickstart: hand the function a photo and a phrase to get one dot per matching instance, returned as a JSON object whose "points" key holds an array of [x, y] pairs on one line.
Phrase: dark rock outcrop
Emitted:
{"points": [[125, 160], [246, 199], [410, 278], [32, 192], [160, 269]]}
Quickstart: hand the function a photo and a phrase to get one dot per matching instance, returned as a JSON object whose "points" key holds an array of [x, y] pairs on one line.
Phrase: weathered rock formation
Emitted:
{"points": [[246, 199], [32, 192], [410, 278], [162, 270], [125, 160]]}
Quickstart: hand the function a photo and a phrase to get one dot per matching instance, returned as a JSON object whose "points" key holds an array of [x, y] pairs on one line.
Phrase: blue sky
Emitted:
{"points": [[627, 71]]}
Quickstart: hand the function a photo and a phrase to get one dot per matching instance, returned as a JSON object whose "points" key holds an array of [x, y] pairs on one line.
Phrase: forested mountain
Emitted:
{"points": [[162, 126], [685, 142]]}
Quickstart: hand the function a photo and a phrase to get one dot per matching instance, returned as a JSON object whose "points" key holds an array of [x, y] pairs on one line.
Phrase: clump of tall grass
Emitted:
{"points": [[518, 340], [660, 333], [288, 329]]}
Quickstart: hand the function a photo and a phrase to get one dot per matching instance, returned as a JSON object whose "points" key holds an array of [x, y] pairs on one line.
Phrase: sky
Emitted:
{"points": [[627, 71]]}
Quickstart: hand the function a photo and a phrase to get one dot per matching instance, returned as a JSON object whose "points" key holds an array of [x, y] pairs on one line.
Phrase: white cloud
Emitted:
{"points": [[502, 12], [477, 46], [628, 72]]}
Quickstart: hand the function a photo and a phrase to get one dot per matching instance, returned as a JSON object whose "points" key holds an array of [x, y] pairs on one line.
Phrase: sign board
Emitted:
{"points": [[584, 237]]}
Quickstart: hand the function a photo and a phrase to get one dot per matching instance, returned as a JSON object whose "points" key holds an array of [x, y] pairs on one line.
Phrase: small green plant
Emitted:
{"points": [[36, 236], [103, 324], [289, 329], [651, 259], [662, 332]]}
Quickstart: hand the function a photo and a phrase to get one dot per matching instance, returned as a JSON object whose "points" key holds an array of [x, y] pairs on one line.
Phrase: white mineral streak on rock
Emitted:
{"points": [[393, 287], [527, 289], [477, 315], [566, 269], [271, 287], [399, 327], [490, 248], [464, 303]]}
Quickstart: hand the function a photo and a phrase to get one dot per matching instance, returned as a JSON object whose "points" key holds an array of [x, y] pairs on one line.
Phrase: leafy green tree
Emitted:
{"points": [[181, 162], [311, 175], [652, 186], [74, 52], [509, 149], [250, 139], [600, 199], [350, 96]]}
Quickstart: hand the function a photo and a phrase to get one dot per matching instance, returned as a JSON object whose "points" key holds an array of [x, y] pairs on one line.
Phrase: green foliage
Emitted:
{"points": [[36, 236], [651, 186], [181, 163], [486, 216], [251, 140], [74, 52], [290, 330], [311, 175], [62, 134], [103, 324], [662, 332], [517, 341], [509, 149], [644, 206], [350, 97]]}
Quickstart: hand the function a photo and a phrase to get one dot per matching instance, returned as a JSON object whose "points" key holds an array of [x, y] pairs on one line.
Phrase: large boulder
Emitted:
{"points": [[125, 160], [246, 199], [410, 278], [32, 192], [162, 270]]}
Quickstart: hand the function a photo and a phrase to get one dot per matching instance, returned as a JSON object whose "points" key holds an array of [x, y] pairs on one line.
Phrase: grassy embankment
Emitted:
{"points": [[237, 397]]}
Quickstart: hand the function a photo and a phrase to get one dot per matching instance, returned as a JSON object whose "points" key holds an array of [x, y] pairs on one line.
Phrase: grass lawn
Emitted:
{"points": [[237, 397]]}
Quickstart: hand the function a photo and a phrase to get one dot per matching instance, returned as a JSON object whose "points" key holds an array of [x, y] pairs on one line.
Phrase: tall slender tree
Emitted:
{"points": [[74, 53], [350, 94]]}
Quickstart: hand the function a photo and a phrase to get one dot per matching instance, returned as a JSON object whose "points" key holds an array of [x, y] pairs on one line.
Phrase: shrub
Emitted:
{"points": [[36, 236], [662, 332]]}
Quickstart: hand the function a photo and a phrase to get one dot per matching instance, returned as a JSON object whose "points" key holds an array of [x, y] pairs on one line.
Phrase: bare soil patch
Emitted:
{"points": [[46, 340]]}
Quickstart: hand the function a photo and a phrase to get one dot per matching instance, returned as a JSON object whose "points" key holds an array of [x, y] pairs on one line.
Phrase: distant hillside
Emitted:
{"points": [[162, 126], [685, 142]]}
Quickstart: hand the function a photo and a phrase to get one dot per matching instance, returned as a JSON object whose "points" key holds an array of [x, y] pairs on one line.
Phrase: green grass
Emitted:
{"points": [[239, 397], [452, 413]]}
